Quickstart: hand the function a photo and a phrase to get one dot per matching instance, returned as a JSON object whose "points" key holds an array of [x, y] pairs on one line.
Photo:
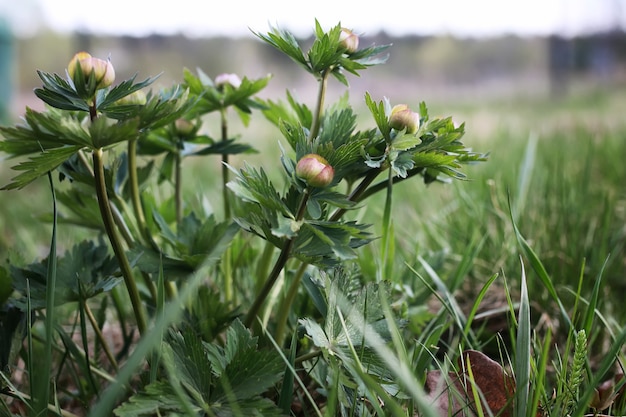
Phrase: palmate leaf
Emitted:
{"points": [[83, 272], [107, 104], [285, 42], [254, 186], [242, 370], [39, 165], [58, 93], [226, 380], [158, 396]]}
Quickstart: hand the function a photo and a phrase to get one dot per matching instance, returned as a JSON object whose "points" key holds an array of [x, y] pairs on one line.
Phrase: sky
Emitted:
{"points": [[237, 18]]}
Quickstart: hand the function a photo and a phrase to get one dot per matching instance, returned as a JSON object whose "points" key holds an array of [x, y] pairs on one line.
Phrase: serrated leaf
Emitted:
{"points": [[157, 396], [83, 272], [39, 165]]}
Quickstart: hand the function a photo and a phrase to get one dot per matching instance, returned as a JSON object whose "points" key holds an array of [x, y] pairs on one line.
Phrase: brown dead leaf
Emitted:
{"points": [[452, 393]]}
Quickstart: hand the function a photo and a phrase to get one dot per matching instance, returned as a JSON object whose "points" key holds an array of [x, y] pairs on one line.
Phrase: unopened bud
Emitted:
{"points": [[231, 79], [402, 117], [349, 40], [137, 98], [101, 69], [184, 127], [315, 170]]}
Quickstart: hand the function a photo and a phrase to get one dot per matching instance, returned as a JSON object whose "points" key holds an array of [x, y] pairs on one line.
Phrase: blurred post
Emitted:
{"points": [[7, 63]]}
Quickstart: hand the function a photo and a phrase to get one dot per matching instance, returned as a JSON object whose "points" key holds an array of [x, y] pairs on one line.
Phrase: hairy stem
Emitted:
{"points": [[178, 188], [116, 244]]}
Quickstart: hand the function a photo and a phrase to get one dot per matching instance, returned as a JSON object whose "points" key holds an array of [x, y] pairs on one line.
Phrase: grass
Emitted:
{"points": [[499, 263]]}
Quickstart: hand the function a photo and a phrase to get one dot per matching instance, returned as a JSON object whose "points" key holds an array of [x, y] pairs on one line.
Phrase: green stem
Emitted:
{"points": [[225, 170], [118, 249], [100, 336], [280, 263], [134, 190], [285, 307], [319, 106], [384, 261], [227, 260], [357, 192], [307, 356], [178, 188]]}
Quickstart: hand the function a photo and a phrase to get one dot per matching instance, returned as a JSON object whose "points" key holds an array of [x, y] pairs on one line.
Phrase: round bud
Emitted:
{"points": [[348, 40], [315, 170], [231, 79], [402, 117]]}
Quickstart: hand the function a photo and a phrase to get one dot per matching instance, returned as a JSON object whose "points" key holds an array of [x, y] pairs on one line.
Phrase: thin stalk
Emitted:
{"points": [[41, 391], [308, 356], [279, 265], [227, 271], [263, 265], [225, 170], [384, 261], [116, 244], [134, 190], [285, 307], [100, 336], [178, 188], [319, 106], [357, 192], [52, 408]]}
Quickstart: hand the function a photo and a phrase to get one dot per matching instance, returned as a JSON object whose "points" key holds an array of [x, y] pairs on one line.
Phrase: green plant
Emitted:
{"points": [[265, 292]]}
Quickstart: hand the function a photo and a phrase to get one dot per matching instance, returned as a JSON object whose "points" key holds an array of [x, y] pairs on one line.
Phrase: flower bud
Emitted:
{"points": [[102, 70], [231, 79], [402, 117], [348, 40], [315, 170], [137, 98], [184, 127]]}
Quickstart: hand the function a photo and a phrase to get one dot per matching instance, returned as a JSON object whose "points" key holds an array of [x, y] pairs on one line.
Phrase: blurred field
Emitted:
{"points": [[570, 193]]}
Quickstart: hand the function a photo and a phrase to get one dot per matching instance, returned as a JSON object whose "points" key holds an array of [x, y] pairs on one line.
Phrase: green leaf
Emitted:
{"points": [[157, 396], [6, 286], [39, 165], [83, 272]]}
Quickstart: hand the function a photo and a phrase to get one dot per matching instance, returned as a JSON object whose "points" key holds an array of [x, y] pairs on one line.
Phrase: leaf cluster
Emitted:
{"points": [[326, 54], [208, 379]]}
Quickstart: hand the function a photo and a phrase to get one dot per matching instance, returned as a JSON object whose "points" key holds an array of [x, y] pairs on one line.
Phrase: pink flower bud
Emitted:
{"points": [[231, 79], [315, 170], [349, 40], [102, 70], [402, 117]]}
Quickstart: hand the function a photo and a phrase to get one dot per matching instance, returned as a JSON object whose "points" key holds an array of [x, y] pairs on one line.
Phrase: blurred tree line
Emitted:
{"points": [[431, 67]]}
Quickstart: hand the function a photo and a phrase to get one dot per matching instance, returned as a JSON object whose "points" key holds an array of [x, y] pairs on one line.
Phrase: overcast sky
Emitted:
{"points": [[397, 17]]}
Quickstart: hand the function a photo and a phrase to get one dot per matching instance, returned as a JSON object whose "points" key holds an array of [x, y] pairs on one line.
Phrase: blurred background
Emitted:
{"points": [[512, 70], [444, 51]]}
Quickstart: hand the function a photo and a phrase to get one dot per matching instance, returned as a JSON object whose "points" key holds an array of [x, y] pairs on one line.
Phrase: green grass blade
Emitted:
{"points": [[539, 269], [522, 351], [286, 390], [479, 298], [593, 301], [41, 390]]}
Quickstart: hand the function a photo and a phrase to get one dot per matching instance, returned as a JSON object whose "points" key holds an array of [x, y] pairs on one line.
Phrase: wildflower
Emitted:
{"points": [[184, 127], [231, 79], [101, 69], [315, 170], [348, 40], [402, 117]]}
